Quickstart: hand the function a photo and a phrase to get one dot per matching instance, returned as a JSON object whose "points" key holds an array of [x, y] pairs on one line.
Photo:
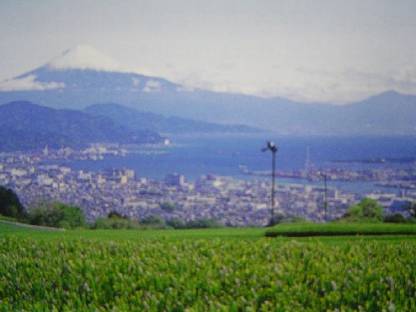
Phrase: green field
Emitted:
{"points": [[340, 229], [104, 235], [230, 269]]}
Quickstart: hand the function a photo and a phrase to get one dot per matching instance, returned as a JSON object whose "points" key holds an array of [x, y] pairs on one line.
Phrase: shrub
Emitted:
{"points": [[153, 220], [366, 210], [203, 224], [176, 223], [115, 222], [395, 218], [57, 215], [10, 205]]}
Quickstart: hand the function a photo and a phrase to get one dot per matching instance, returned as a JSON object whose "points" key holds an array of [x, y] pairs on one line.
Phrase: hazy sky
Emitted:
{"points": [[314, 50]]}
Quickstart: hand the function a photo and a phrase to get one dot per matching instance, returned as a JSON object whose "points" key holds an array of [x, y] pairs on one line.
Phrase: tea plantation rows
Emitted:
{"points": [[206, 275]]}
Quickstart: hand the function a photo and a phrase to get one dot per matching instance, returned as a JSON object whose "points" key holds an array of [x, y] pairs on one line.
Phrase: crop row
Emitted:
{"points": [[206, 275]]}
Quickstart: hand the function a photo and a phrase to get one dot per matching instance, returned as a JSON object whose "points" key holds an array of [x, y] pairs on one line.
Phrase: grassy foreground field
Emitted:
{"points": [[203, 270]]}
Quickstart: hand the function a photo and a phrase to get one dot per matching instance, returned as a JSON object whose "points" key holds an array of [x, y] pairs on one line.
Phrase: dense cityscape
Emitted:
{"points": [[235, 202]]}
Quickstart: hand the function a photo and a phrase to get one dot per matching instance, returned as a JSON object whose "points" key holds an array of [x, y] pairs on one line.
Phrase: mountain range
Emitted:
{"points": [[24, 125], [70, 82], [138, 120]]}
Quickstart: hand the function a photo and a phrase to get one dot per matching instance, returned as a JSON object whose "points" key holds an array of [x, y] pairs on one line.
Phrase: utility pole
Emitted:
{"points": [[325, 196], [271, 146]]}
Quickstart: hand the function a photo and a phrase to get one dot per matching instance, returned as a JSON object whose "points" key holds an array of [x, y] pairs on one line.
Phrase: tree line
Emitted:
{"points": [[62, 215]]}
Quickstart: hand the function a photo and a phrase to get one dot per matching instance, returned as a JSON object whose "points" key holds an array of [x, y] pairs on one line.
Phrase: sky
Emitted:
{"points": [[333, 51]]}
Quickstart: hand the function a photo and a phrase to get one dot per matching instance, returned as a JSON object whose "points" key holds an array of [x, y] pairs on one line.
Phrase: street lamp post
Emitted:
{"points": [[271, 146]]}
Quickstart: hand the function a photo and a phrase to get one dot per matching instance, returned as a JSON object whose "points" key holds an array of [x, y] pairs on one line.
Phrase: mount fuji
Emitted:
{"points": [[83, 76], [80, 77]]}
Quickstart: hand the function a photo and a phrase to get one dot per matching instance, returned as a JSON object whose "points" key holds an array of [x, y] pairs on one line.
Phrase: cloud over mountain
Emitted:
{"points": [[29, 83], [76, 81]]}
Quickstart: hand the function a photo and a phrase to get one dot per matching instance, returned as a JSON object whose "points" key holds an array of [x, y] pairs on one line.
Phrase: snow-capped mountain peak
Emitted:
{"points": [[84, 57]]}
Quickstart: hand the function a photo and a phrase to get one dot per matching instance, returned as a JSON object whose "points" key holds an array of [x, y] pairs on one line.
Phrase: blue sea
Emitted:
{"points": [[224, 154]]}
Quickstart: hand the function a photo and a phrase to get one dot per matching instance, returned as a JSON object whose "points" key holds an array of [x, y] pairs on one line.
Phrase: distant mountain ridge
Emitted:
{"points": [[24, 125], [138, 120], [68, 82]]}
